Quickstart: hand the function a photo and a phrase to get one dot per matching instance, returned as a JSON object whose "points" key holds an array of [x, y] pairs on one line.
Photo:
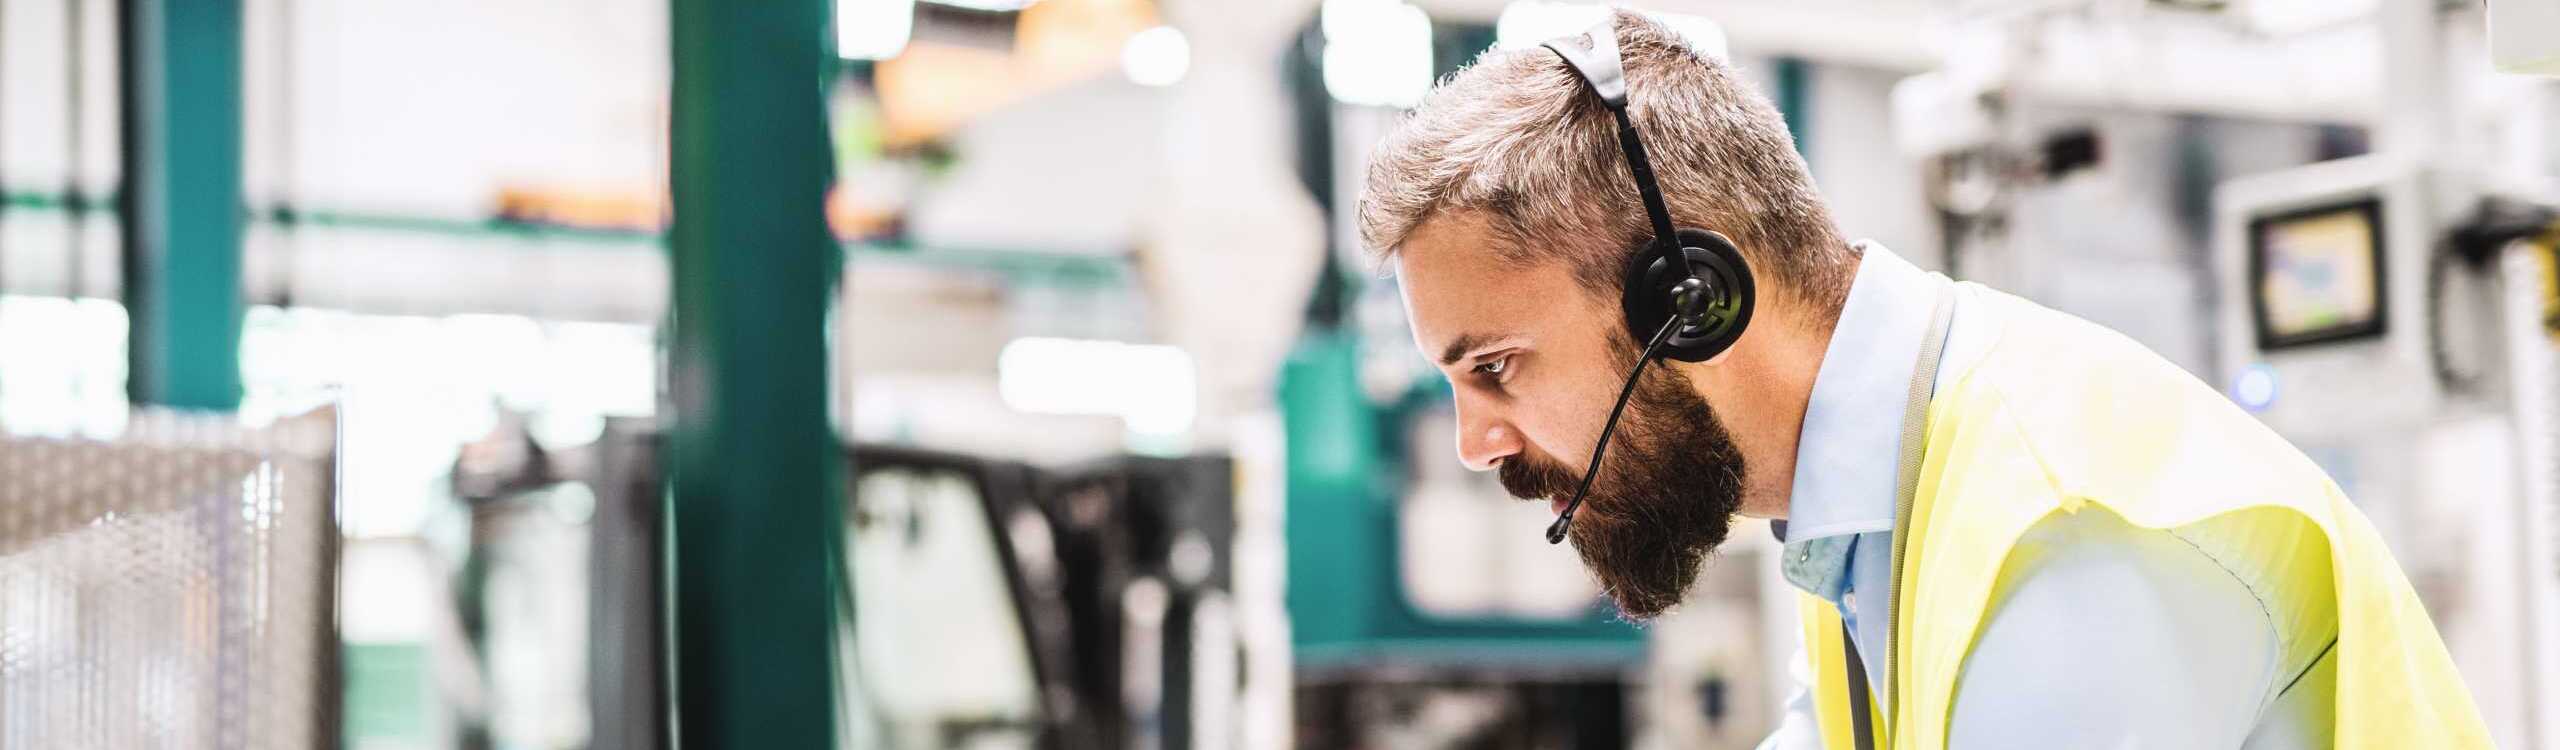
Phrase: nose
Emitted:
{"points": [[1483, 441]]}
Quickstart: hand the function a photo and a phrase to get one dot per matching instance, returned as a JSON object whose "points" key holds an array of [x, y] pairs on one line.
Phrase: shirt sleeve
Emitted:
{"points": [[2103, 634]]}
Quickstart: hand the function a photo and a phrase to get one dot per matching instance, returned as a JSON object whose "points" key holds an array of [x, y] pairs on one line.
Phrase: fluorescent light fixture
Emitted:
{"points": [[1376, 52], [873, 29], [1528, 23], [1157, 56], [1152, 388]]}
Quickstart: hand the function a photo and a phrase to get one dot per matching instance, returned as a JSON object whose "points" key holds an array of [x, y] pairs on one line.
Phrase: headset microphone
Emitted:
{"points": [[1688, 291], [1555, 531]]}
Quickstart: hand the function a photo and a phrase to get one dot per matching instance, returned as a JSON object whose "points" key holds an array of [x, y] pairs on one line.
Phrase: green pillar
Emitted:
{"points": [[1795, 100], [755, 464], [181, 201]]}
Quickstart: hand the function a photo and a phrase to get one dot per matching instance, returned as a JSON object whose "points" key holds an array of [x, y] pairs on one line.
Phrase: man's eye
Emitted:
{"points": [[1494, 367]]}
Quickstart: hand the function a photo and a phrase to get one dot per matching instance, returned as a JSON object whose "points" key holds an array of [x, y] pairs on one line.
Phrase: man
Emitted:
{"points": [[2079, 545]]}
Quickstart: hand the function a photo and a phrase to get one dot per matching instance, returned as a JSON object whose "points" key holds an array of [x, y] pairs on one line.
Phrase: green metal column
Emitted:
{"points": [[757, 553], [1795, 100], [181, 200]]}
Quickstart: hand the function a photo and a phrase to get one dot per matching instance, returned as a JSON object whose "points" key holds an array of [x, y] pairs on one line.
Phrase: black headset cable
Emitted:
{"points": [[1556, 532]]}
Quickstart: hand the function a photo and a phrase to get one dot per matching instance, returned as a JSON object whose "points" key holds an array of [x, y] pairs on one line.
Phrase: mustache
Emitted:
{"points": [[1531, 478]]}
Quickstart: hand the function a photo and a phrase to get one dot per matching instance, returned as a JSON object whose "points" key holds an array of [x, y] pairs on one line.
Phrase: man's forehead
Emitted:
{"points": [[1458, 285]]}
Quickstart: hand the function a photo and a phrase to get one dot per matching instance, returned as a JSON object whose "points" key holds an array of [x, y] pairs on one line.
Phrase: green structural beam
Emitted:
{"points": [[754, 466], [1795, 100], [1054, 268], [182, 217]]}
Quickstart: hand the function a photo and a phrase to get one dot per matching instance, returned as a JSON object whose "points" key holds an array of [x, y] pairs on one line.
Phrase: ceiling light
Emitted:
{"points": [[1376, 52], [1156, 57], [873, 29]]}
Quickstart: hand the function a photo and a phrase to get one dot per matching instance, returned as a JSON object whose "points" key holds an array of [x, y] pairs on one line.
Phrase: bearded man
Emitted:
{"points": [[2011, 528]]}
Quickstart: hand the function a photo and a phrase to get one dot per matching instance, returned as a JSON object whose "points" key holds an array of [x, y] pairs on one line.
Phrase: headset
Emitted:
{"points": [[1688, 292]]}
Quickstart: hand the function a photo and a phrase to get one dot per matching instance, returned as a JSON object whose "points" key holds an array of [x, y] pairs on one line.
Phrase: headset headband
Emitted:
{"points": [[1600, 67]]}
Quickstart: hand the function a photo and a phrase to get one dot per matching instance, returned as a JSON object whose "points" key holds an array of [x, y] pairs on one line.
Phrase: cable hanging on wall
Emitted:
{"points": [[2474, 245]]}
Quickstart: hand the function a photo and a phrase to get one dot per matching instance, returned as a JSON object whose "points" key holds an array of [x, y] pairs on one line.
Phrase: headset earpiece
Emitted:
{"points": [[1713, 296], [1715, 308]]}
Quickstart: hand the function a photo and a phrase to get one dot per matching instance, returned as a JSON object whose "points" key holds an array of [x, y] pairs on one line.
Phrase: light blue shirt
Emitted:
{"points": [[2117, 636]]}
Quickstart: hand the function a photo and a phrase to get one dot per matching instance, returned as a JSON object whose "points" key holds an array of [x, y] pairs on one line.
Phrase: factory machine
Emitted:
{"points": [[989, 603], [1084, 607], [2392, 319]]}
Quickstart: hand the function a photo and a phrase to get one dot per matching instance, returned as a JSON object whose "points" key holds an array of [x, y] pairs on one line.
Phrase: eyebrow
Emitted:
{"points": [[1464, 343]]}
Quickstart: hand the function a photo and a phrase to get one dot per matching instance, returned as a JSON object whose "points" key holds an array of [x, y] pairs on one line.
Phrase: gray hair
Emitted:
{"points": [[1518, 138]]}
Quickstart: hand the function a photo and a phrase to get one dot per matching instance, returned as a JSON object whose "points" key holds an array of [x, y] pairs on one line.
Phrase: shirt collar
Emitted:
{"points": [[1846, 454]]}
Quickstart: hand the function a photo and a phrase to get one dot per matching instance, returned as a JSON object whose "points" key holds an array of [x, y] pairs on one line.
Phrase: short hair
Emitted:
{"points": [[1518, 138]]}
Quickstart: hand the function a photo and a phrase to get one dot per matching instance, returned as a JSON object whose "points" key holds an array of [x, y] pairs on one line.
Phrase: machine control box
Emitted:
{"points": [[2323, 272]]}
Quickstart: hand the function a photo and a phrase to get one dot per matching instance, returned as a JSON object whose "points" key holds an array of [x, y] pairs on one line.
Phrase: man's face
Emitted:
{"points": [[1535, 361]]}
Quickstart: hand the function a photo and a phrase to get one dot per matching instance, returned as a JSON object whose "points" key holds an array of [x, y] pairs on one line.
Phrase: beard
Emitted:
{"points": [[1665, 497]]}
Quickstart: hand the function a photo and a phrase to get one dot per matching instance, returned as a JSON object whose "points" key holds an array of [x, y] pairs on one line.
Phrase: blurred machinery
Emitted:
{"points": [[1081, 607], [989, 603], [187, 566]]}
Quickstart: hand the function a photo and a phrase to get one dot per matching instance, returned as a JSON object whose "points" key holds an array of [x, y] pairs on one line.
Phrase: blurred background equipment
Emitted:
{"points": [[173, 586], [1008, 373], [993, 603]]}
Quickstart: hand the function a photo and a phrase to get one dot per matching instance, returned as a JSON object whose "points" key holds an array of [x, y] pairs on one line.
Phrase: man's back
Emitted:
{"points": [[2107, 521]]}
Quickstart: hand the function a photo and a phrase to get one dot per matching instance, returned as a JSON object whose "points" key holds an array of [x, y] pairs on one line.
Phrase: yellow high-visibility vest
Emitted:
{"points": [[2060, 415]]}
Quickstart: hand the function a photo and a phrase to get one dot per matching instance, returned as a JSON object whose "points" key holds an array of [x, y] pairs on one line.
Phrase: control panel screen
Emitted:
{"points": [[2316, 274]]}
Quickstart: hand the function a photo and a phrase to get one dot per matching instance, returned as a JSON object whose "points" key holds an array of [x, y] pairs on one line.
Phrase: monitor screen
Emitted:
{"points": [[2316, 274]]}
